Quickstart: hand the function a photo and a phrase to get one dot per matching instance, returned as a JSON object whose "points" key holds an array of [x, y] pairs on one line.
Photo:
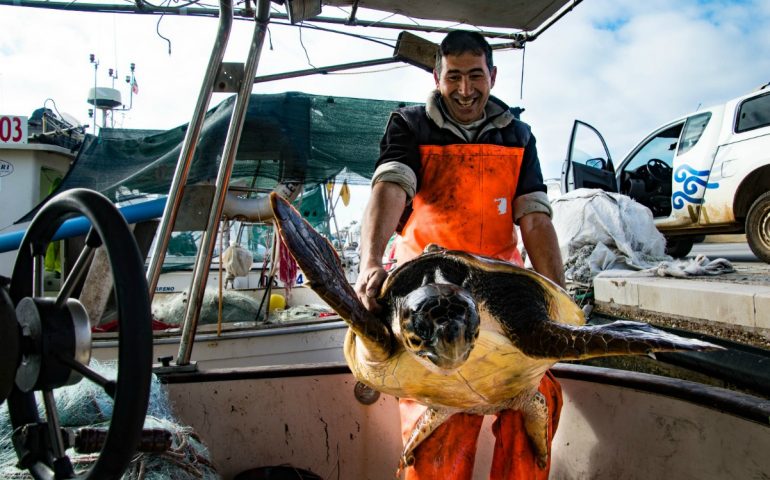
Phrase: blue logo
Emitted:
{"points": [[691, 181]]}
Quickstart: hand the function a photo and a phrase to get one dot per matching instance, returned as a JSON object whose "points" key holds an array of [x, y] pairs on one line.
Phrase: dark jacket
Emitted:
{"points": [[412, 126]]}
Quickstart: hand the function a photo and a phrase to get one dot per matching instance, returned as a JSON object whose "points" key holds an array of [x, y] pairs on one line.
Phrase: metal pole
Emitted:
{"points": [[324, 70], [206, 250], [521, 38], [176, 191]]}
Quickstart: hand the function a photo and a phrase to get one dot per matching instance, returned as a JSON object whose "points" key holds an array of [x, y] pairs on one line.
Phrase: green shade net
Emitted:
{"points": [[289, 136]]}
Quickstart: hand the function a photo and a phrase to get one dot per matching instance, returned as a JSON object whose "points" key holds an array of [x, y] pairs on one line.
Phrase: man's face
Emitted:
{"points": [[464, 83]]}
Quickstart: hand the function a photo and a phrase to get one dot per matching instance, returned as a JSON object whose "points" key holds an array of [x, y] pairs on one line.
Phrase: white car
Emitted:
{"points": [[704, 173]]}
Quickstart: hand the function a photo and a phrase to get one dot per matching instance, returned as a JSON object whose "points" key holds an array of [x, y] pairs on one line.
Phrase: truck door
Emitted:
{"points": [[693, 174], [588, 163]]}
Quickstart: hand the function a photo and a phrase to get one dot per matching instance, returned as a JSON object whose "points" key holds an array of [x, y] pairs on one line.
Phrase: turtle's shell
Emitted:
{"points": [[511, 301], [527, 323]]}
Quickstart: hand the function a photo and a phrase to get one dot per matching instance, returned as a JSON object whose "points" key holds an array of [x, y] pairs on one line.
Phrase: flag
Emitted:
{"points": [[345, 193], [134, 86]]}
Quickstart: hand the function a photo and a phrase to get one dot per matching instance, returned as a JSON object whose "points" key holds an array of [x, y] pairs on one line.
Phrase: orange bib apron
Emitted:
{"points": [[464, 202]]}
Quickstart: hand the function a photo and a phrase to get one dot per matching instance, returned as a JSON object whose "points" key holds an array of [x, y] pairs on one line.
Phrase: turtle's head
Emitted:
{"points": [[439, 323]]}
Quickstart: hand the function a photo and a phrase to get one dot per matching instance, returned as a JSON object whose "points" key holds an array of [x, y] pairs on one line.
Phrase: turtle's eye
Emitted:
{"points": [[414, 341]]}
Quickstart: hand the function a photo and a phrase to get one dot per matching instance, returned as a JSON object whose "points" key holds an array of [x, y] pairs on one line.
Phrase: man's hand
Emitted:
{"points": [[368, 286]]}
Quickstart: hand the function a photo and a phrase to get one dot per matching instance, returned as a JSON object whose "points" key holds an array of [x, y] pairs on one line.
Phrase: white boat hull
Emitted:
{"points": [[301, 340], [309, 418]]}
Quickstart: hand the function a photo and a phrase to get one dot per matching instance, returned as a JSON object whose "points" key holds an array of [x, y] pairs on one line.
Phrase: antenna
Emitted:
{"points": [[108, 99], [95, 63]]}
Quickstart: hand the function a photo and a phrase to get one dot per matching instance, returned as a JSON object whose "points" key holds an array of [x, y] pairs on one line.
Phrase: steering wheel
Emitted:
{"points": [[53, 336], [658, 170]]}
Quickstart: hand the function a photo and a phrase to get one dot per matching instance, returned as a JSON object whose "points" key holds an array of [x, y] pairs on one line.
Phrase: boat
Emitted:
{"points": [[306, 325], [312, 417], [35, 154]]}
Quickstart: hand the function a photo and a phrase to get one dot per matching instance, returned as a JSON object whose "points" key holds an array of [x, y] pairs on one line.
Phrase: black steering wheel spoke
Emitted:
{"points": [[53, 336], [73, 279], [659, 170], [90, 374], [38, 275], [58, 448]]}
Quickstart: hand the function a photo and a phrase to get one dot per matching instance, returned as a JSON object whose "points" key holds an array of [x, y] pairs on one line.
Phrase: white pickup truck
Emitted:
{"points": [[704, 173]]}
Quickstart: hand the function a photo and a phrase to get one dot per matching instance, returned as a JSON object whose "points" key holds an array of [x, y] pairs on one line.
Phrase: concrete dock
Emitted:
{"points": [[736, 304]]}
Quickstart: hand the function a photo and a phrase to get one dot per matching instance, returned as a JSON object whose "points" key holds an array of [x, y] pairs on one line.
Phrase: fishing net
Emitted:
{"points": [[88, 405], [236, 307]]}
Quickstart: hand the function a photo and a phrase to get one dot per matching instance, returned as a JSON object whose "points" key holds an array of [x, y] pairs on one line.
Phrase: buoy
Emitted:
{"points": [[277, 302]]}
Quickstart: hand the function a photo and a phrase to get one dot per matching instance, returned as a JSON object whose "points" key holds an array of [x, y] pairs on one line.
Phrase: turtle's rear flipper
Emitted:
{"points": [[623, 337], [535, 414], [323, 270], [428, 422]]}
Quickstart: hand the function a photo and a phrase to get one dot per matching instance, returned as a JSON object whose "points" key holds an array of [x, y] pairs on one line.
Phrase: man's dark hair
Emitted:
{"points": [[463, 41]]}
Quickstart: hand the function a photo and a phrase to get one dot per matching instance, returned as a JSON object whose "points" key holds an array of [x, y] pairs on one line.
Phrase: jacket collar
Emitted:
{"points": [[498, 114]]}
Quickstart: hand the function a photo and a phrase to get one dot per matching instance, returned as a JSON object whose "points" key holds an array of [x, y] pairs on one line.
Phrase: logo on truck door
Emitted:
{"points": [[687, 186]]}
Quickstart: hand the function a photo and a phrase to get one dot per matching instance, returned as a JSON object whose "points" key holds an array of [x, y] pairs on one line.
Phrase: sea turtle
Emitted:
{"points": [[461, 332]]}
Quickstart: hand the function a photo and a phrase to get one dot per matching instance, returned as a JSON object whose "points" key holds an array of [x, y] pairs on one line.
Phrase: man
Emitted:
{"points": [[464, 170]]}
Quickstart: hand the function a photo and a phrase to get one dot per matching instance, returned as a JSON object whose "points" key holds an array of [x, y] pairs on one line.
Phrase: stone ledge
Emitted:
{"points": [[754, 336], [738, 305]]}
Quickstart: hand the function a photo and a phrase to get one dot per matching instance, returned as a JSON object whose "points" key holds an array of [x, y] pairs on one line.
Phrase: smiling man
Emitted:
{"points": [[460, 172]]}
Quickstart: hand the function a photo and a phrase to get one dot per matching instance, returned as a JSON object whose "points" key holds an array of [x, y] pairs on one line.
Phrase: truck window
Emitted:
{"points": [[753, 113], [588, 149], [661, 146], [693, 129]]}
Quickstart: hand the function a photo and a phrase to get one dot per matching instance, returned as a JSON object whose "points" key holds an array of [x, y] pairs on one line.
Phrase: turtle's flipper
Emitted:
{"points": [[623, 337], [429, 421], [531, 311], [323, 270], [535, 413]]}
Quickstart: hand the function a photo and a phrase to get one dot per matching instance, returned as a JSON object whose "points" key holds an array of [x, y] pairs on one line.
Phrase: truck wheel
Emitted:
{"points": [[758, 227], [679, 247]]}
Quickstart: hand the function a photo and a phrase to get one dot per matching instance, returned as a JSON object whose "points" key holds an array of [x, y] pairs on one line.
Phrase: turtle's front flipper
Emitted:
{"points": [[623, 337], [429, 421], [323, 270], [535, 413]]}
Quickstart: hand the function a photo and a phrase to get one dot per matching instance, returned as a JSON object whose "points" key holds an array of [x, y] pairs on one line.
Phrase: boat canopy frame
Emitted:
{"points": [[555, 8]]}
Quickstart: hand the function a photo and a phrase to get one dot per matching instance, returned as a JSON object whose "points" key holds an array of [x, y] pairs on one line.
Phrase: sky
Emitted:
{"points": [[624, 66]]}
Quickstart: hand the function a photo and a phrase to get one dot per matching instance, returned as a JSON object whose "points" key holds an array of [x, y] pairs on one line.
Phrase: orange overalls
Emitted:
{"points": [[465, 203]]}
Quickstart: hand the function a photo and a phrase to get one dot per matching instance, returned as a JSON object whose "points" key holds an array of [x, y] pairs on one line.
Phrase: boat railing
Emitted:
{"points": [[227, 78], [235, 128], [176, 190]]}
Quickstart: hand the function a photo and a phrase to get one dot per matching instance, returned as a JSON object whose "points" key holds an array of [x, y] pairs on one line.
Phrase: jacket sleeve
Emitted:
{"points": [[531, 192], [530, 175], [399, 144]]}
